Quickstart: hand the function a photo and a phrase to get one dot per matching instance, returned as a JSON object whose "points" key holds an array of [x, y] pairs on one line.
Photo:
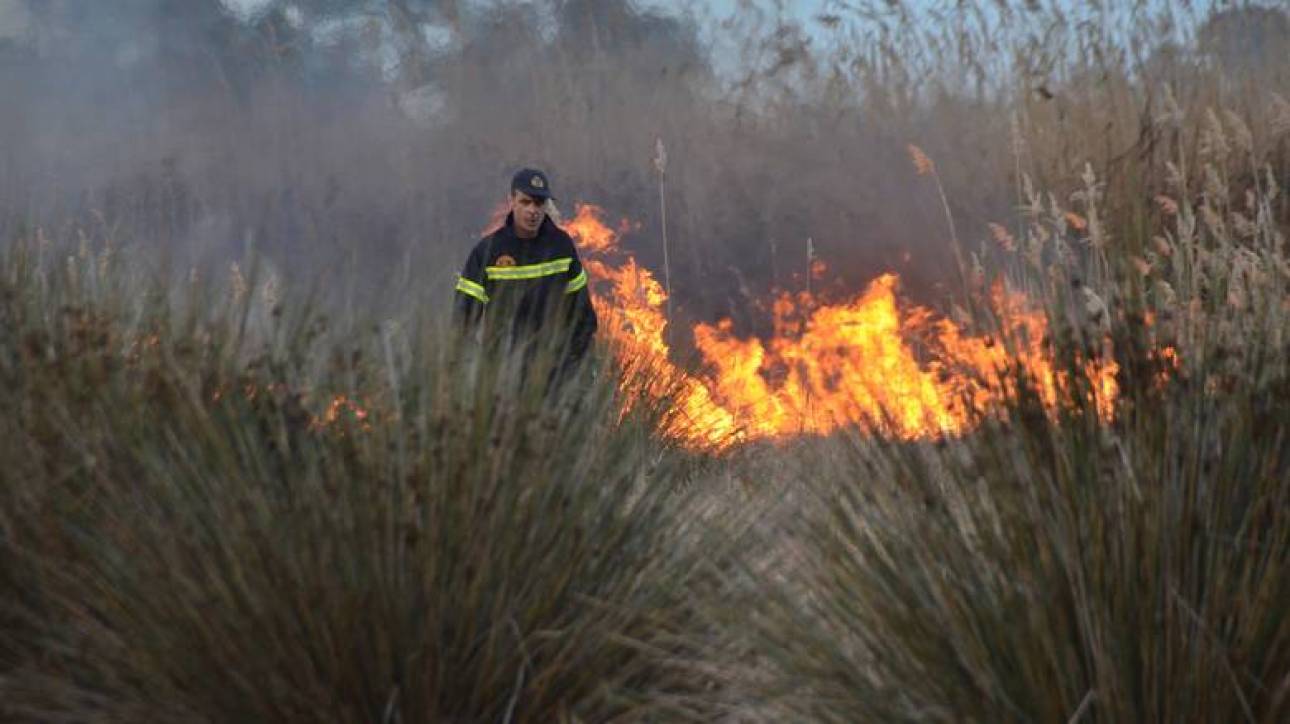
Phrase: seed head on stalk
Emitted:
{"points": [[660, 165]]}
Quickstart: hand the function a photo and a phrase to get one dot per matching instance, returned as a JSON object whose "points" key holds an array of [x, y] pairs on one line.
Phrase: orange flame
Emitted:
{"points": [[342, 407], [869, 361]]}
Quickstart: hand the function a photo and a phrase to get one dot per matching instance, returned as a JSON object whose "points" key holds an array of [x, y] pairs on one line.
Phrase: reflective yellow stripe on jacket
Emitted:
{"points": [[471, 289], [530, 271], [576, 283]]}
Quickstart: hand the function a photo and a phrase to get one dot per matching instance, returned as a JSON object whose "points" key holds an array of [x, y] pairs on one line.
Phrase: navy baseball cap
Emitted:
{"points": [[532, 182]]}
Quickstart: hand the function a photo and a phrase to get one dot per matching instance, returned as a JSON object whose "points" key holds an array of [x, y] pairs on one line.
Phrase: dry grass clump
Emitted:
{"points": [[203, 520], [1067, 565]]}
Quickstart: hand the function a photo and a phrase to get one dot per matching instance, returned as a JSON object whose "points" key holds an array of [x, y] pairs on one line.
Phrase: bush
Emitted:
{"points": [[200, 522], [1066, 561]]}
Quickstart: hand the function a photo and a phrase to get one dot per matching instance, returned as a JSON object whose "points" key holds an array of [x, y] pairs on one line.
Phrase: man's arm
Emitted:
{"points": [[582, 314], [471, 296]]}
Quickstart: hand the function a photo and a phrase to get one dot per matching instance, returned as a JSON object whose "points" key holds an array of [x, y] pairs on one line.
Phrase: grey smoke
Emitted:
{"points": [[367, 141]]}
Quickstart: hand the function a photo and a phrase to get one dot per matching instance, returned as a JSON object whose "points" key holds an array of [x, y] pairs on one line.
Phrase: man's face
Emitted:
{"points": [[528, 212]]}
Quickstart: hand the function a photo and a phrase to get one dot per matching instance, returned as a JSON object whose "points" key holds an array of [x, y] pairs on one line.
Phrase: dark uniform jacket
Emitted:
{"points": [[534, 287]]}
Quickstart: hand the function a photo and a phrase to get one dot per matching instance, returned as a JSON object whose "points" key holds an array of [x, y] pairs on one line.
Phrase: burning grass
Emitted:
{"points": [[872, 360]]}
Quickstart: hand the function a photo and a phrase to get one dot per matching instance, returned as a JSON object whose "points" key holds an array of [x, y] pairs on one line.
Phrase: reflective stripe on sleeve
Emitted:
{"points": [[530, 271], [471, 289], [576, 283]]}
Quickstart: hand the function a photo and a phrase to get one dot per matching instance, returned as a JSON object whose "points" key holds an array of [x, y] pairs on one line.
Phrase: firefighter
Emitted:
{"points": [[524, 286]]}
